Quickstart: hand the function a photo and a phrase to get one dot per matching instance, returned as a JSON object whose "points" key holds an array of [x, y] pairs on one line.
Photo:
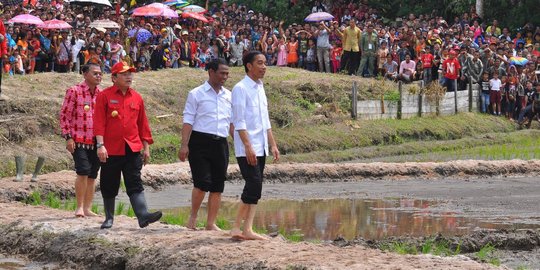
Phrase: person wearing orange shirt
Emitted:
{"points": [[123, 139]]}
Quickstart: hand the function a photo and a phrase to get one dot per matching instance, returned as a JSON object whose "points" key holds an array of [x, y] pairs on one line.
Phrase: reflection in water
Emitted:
{"points": [[370, 219]]}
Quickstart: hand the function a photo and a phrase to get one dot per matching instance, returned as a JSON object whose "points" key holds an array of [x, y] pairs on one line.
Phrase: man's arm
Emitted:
{"points": [[186, 134], [250, 153], [66, 115]]}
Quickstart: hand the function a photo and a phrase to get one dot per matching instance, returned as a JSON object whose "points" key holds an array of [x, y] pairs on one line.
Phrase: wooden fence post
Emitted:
{"points": [[421, 98], [470, 95], [455, 97], [354, 101], [400, 103]]}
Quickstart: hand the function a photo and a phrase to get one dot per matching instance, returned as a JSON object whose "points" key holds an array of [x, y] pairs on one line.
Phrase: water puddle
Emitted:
{"points": [[368, 218]]}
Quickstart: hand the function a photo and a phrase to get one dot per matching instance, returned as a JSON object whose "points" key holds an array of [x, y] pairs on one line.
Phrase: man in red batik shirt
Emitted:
{"points": [[77, 126], [123, 137]]}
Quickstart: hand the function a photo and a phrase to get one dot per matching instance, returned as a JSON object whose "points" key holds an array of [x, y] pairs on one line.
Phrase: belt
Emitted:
{"points": [[208, 136]]}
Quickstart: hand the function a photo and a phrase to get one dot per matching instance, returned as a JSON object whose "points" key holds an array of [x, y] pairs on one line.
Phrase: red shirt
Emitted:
{"points": [[427, 60], [76, 114], [121, 119], [451, 68]]}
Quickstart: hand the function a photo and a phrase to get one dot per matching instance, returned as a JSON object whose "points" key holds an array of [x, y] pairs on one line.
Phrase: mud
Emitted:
{"points": [[56, 236]]}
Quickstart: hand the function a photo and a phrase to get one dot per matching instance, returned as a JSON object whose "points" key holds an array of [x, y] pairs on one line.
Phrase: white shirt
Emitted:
{"points": [[209, 112], [250, 113], [495, 84]]}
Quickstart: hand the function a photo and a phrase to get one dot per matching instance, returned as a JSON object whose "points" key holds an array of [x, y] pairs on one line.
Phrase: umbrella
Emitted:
{"points": [[91, 2], [196, 16], [11, 2], [155, 10], [518, 61], [26, 19], [193, 8], [177, 3], [55, 24], [104, 24], [142, 35], [319, 16]]}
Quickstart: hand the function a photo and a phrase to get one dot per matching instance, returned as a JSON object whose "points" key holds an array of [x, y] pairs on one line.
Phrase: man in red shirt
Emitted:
{"points": [[3, 51], [451, 69], [122, 132]]}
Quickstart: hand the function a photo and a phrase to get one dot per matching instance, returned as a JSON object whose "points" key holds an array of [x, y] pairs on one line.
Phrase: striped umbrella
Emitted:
{"points": [[176, 3]]}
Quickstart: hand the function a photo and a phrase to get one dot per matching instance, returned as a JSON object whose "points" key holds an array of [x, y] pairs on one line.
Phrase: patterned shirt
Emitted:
{"points": [[76, 116]]}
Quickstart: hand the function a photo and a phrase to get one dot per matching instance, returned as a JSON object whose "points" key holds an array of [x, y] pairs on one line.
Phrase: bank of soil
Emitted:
{"points": [[159, 176], [54, 235]]}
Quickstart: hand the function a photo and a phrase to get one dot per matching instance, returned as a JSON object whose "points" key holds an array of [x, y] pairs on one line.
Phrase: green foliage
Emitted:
{"points": [[486, 254], [294, 236], [279, 9], [95, 208], [400, 248], [34, 198], [120, 208], [223, 224], [391, 96], [52, 200], [178, 219], [130, 212]]}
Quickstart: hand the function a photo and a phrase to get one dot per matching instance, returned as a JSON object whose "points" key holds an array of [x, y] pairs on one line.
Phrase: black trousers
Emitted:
{"points": [[129, 166], [208, 160], [351, 61], [253, 175]]}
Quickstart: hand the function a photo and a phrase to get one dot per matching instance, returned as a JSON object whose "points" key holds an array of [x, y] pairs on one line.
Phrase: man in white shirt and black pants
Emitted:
{"points": [[252, 139], [207, 124]]}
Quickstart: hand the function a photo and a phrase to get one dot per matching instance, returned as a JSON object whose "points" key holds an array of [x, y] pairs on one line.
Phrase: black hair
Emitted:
{"points": [[249, 58], [85, 68], [214, 64]]}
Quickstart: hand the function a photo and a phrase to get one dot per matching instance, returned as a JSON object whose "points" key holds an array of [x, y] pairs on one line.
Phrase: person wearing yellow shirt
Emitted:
{"points": [[351, 48]]}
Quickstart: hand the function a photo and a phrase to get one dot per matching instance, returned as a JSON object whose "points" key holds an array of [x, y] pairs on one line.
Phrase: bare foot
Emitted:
{"points": [[192, 223], [89, 213], [236, 234], [79, 212], [212, 227], [254, 236]]}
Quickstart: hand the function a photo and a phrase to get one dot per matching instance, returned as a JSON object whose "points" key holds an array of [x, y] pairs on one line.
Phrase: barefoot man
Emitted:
{"points": [[76, 122], [207, 124], [252, 138]]}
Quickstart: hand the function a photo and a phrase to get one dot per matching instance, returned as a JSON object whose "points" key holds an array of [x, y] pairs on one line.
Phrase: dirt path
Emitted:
{"points": [[54, 235]]}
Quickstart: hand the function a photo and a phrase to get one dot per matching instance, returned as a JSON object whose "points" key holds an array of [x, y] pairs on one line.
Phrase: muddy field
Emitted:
{"points": [[51, 235]]}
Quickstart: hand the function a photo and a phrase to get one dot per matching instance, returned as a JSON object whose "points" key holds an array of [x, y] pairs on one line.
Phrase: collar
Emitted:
{"points": [[253, 83], [208, 87], [117, 90]]}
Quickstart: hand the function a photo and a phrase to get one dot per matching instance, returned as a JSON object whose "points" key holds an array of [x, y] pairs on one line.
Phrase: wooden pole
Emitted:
{"points": [[354, 101], [400, 103], [470, 95], [455, 97], [420, 98]]}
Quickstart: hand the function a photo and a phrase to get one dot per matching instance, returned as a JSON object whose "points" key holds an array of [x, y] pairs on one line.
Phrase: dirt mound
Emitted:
{"points": [[55, 235]]}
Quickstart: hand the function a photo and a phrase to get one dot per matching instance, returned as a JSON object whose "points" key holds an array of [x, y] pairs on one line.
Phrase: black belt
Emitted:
{"points": [[208, 136]]}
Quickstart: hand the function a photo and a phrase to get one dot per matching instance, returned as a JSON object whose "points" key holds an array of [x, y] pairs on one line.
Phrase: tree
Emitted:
{"points": [[480, 8]]}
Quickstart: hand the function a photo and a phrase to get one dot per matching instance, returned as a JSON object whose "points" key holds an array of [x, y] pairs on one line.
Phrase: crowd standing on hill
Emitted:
{"points": [[418, 47]]}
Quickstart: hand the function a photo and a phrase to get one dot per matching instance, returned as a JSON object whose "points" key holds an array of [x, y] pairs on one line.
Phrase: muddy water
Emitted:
{"points": [[12, 263], [349, 218]]}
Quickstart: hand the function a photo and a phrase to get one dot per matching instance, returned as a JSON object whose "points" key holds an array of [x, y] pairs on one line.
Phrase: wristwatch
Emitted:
{"points": [[98, 145]]}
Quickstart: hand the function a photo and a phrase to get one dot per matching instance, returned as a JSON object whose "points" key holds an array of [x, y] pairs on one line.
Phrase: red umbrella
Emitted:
{"points": [[196, 16], [55, 24]]}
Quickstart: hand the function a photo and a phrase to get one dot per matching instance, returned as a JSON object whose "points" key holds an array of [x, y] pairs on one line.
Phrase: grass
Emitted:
{"points": [[293, 236], [429, 246], [487, 254]]}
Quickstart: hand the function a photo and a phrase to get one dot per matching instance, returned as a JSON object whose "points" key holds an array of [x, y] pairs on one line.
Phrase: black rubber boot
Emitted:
{"points": [[108, 205], [39, 165], [141, 211], [19, 163]]}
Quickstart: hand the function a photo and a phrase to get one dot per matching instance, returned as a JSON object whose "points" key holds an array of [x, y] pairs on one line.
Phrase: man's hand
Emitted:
{"points": [[183, 152], [275, 153], [251, 156], [70, 145], [102, 154], [146, 155]]}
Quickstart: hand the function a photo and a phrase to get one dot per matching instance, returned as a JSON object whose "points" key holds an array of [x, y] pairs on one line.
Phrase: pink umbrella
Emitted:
{"points": [[26, 19], [55, 24], [155, 10], [196, 16]]}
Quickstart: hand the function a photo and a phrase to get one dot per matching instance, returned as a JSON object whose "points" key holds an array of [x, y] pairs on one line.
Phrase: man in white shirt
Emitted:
{"points": [[252, 139], [407, 69], [207, 124]]}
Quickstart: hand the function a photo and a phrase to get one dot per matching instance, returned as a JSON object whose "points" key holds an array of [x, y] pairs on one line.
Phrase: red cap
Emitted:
{"points": [[122, 67]]}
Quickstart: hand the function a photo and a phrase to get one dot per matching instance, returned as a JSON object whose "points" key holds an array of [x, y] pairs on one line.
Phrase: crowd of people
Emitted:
{"points": [[356, 42]]}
